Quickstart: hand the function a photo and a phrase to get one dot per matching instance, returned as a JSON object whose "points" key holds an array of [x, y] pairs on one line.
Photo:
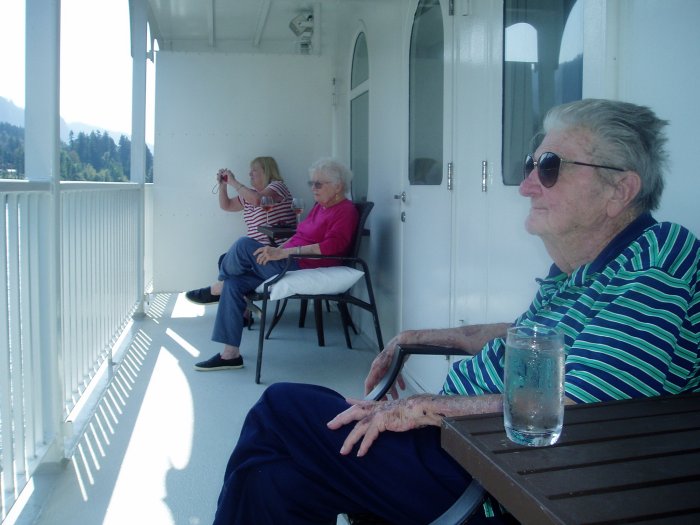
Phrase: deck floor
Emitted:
{"points": [[156, 450]]}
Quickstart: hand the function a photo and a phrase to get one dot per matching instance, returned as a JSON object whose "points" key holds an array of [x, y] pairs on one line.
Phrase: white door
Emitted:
{"points": [[467, 258], [502, 94], [426, 199]]}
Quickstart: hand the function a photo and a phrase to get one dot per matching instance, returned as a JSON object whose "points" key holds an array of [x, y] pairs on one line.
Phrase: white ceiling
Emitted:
{"points": [[226, 25]]}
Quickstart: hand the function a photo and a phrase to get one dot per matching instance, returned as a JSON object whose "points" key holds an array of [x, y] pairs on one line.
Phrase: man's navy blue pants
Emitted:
{"points": [[286, 467]]}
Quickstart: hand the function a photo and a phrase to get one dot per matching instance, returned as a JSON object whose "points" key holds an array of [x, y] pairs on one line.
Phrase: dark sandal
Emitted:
{"points": [[202, 296]]}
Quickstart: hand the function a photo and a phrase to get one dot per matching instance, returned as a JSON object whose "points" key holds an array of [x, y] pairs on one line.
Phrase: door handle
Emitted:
{"points": [[401, 196]]}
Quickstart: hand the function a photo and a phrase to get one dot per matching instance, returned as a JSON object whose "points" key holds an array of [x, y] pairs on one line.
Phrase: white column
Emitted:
{"points": [[138, 16], [42, 141], [41, 116]]}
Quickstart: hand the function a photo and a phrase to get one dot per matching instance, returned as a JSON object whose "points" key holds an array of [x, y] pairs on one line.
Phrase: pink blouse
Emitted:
{"points": [[331, 228]]}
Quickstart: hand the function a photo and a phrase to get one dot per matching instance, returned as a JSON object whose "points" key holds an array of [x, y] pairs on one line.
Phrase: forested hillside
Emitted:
{"points": [[93, 157]]}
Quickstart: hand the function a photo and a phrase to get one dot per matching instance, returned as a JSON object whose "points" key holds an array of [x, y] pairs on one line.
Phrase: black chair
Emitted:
{"points": [[474, 494], [363, 209], [343, 299]]}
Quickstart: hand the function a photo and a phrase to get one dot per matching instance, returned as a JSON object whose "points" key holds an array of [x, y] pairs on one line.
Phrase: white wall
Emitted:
{"points": [[658, 57], [223, 110]]}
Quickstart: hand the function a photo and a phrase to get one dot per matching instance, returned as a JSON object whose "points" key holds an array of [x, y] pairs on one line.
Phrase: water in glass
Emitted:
{"points": [[533, 403]]}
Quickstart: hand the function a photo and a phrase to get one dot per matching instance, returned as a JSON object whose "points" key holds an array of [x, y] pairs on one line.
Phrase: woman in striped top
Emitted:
{"points": [[624, 289], [265, 180]]}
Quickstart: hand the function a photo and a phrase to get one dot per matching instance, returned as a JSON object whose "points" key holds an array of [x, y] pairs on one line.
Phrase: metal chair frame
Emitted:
{"points": [[343, 299], [471, 498]]}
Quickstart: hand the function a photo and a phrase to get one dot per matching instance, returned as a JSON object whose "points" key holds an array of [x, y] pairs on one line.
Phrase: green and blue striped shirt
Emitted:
{"points": [[631, 320]]}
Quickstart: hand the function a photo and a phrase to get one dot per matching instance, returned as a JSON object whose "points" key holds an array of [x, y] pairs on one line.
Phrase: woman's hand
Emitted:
{"points": [[225, 176], [380, 367], [375, 417], [269, 253]]}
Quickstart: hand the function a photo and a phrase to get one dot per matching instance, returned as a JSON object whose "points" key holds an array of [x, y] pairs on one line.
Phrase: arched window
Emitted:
{"points": [[543, 67], [359, 119], [425, 95]]}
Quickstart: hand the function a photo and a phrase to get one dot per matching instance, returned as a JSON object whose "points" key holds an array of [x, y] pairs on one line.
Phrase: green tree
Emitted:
{"points": [[89, 157]]}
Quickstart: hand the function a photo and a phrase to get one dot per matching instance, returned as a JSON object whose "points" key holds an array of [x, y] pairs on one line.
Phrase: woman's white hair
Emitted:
{"points": [[334, 170]]}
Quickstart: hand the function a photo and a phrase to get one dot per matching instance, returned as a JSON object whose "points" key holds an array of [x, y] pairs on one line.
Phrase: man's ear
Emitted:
{"points": [[625, 189]]}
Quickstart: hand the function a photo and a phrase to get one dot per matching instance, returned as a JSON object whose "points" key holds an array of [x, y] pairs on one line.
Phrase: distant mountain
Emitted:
{"points": [[15, 116], [10, 113]]}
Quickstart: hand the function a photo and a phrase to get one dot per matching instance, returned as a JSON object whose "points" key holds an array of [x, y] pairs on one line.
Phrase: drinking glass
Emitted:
{"points": [[298, 207], [266, 204], [533, 401]]}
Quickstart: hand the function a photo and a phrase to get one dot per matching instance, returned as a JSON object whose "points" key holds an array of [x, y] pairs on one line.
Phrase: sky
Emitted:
{"points": [[96, 62]]}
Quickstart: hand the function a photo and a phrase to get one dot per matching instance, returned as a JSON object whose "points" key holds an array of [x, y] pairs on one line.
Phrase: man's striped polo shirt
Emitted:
{"points": [[631, 320]]}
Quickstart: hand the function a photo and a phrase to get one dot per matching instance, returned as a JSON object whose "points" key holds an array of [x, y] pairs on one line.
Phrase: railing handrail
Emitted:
{"points": [[23, 185], [75, 185], [15, 185]]}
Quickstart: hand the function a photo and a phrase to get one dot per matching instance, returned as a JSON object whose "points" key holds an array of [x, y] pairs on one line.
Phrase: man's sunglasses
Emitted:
{"points": [[548, 167]]}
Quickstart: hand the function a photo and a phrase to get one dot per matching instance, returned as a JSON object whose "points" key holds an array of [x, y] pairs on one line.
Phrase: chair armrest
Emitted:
{"points": [[266, 287], [474, 493], [344, 259], [464, 507], [291, 257], [288, 262], [400, 355]]}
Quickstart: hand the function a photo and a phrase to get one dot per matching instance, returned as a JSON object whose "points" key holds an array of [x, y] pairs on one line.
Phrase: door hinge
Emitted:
{"points": [[450, 175], [452, 7], [484, 175]]}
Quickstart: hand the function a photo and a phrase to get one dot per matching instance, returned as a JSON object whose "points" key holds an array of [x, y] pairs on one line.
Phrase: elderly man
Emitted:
{"points": [[623, 289]]}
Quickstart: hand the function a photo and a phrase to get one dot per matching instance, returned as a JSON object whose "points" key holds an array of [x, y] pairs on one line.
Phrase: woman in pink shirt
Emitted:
{"points": [[327, 230]]}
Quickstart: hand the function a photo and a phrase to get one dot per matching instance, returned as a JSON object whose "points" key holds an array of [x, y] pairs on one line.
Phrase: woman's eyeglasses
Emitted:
{"points": [[548, 167], [318, 184]]}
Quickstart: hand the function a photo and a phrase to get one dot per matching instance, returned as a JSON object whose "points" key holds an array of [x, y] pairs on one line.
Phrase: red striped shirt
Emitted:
{"points": [[281, 213]]}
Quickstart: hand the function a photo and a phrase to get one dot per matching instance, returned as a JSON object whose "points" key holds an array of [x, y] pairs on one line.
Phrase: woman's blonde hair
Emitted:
{"points": [[269, 167]]}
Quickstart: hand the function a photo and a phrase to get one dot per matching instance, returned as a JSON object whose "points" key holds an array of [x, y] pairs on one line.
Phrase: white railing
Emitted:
{"points": [[57, 329], [99, 247]]}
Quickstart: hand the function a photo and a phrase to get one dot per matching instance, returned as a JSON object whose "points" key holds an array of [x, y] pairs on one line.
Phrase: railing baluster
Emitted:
{"points": [[14, 347], [6, 452]]}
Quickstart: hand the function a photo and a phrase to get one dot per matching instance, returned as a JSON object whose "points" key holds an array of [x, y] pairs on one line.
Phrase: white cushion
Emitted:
{"points": [[333, 280]]}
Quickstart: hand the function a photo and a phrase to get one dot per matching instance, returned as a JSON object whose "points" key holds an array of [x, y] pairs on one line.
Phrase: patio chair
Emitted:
{"points": [[363, 210], [474, 494], [332, 284]]}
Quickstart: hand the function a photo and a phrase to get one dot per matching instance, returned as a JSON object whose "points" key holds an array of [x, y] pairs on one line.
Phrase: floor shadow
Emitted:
{"points": [[221, 399], [156, 448]]}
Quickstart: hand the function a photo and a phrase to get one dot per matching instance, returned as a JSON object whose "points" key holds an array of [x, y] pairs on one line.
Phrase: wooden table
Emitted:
{"points": [[277, 232], [635, 461]]}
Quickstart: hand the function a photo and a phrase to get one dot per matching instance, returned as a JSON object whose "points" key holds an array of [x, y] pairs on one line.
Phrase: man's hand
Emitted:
{"points": [[471, 339], [399, 415], [380, 367], [375, 417]]}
